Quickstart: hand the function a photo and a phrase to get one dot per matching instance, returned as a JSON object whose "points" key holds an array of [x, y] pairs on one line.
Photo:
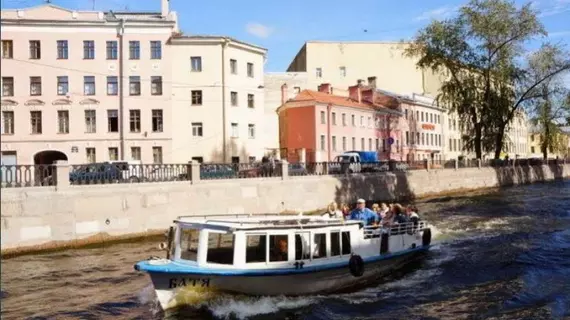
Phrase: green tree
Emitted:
{"points": [[481, 53]]}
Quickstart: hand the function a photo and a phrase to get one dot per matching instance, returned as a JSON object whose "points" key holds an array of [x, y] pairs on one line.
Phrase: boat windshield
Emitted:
{"points": [[189, 244]]}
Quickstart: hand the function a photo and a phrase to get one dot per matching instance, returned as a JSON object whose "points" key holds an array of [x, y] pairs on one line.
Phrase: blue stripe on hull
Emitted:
{"points": [[183, 268]]}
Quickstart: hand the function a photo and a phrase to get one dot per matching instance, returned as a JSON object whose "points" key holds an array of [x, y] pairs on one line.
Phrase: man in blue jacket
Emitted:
{"points": [[364, 214]]}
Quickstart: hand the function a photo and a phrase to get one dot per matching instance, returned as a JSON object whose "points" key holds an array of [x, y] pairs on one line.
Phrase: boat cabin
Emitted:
{"points": [[246, 241]]}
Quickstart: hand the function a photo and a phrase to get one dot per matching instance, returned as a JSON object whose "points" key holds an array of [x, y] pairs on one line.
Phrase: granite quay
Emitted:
{"points": [[62, 213]]}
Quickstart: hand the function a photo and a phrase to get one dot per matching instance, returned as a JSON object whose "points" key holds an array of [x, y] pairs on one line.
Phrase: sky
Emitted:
{"points": [[283, 26]]}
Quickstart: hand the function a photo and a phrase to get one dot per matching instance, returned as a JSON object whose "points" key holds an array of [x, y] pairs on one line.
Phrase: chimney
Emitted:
{"points": [[284, 93], [359, 82], [325, 87], [355, 93], [372, 82], [164, 10]]}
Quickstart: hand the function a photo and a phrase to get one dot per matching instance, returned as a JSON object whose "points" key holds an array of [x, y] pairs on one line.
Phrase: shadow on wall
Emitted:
{"points": [[233, 151], [388, 187], [508, 175]]}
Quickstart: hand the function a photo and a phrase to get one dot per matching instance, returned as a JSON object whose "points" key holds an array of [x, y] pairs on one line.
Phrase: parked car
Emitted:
{"points": [[105, 171]]}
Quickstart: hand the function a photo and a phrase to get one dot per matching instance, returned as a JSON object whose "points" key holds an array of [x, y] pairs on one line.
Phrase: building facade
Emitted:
{"points": [[321, 125], [85, 86], [219, 99]]}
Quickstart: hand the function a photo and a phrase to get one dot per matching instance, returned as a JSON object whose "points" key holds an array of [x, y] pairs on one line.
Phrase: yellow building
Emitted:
{"points": [[561, 147]]}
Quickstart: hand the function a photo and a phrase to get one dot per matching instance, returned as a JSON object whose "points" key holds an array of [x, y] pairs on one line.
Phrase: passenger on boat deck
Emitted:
{"points": [[376, 208], [388, 219], [364, 214], [399, 214], [345, 210], [383, 210], [411, 213], [333, 211]]}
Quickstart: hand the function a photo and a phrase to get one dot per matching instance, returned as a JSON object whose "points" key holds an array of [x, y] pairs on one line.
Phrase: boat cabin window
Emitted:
{"points": [[302, 251], [335, 243], [189, 244], [255, 250], [320, 246], [346, 249], [279, 248], [220, 248]]}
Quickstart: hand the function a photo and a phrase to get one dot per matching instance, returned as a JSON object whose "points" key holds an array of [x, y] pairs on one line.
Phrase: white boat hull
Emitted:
{"points": [[173, 289]]}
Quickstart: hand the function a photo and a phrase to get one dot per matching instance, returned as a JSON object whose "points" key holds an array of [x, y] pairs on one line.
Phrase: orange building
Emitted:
{"points": [[318, 125]]}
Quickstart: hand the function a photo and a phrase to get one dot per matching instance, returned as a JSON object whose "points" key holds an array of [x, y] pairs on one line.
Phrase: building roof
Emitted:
{"points": [[214, 37], [325, 98]]}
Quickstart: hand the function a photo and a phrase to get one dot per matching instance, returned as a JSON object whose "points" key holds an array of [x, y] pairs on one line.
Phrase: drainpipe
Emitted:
{"points": [[225, 42], [329, 107], [121, 92]]}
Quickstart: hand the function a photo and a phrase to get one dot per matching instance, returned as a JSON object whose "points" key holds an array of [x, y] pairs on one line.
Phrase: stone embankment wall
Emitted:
{"points": [[46, 216]]}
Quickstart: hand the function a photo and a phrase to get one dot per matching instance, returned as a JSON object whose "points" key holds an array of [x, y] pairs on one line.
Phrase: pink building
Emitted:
{"points": [[326, 125]]}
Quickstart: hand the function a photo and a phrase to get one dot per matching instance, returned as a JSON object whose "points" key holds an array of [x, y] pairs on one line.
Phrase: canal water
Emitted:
{"points": [[499, 256]]}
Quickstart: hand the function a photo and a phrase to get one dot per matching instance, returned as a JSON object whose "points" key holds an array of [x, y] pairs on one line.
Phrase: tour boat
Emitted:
{"points": [[268, 255]]}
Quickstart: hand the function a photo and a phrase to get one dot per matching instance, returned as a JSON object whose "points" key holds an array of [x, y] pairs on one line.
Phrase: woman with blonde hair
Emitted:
{"points": [[333, 211]]}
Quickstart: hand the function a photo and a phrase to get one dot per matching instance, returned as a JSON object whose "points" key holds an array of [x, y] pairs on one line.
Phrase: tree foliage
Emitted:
{"points": [[481, 51]]}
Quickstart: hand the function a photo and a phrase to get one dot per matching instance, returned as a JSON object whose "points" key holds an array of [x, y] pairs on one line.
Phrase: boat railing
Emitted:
{"points": [[410, 228]]}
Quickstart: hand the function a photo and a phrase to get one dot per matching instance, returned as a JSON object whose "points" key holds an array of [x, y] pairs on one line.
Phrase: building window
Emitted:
{"points": [[157, 123], [319, 73], [113, 154], [531, 149], [157, 155], [250, 101], [91, 155], [7, 86], [135, 120], [134, 50], [196, 64], [156, 85], [353, 143], [333, 116], [407, 138], [112, 50], [7, 122], [235, 130], [113, 120], [234, 98], [417, 137], [62, 49], [197, 129], [323, 118], [343, 143], [343, 119], [89, 49], [362, 121], [370, 144], [35, 49], [196, 97], [353, 119], [369, 122], [136, 153], [377, 144], [62, 85], [362, 144], [7, 49], [134, 85], [36, 121], [342, 72], [422, 116], [406, 113], [89, 85], [250, 69], [35, 86], [155, 50], [439, 139], [423, 139], [322, 142], [233, 66], [383, 145], [63, 121], [90, 121], [333, 143], [251, 131], [112, 86]]}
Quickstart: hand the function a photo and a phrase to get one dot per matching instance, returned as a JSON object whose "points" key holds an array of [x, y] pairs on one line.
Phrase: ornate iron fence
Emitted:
{"points": [[18, 176]]}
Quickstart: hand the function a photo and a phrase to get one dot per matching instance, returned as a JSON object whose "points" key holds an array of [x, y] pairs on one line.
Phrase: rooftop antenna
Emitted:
{"points": [[93, 5]]}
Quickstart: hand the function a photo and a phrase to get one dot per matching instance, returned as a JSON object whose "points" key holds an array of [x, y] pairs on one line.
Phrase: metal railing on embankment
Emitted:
{"points": [[62, 174]]}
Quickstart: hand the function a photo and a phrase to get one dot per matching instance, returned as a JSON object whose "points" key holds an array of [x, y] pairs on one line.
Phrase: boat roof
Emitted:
{"points": [[261, 222]]}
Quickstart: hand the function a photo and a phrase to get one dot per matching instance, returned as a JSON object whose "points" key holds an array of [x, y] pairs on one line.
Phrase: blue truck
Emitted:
{"points": [[359, 161]]}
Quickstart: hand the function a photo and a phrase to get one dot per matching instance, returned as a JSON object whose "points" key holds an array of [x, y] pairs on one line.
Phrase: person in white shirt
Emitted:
{"points": [[333, 211]]}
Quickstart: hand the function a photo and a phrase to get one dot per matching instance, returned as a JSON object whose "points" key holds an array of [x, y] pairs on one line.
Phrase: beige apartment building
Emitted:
{"points": [[218, 98], [85, 86]]}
